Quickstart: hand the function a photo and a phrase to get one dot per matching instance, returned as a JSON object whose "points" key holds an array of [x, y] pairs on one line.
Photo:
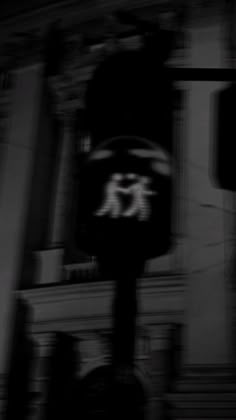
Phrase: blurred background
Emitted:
{"points": [[55, 303]]}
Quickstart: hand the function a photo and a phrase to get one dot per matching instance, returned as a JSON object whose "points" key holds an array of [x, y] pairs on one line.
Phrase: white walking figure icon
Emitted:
{"points": [[138, 190], [139, 206], [111, 202]]}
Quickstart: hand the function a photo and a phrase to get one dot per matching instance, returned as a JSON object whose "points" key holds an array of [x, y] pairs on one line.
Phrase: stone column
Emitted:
{"points": [[207, 339], [40, 374], [51, 259], [157, 369], [16, 172], [63, 184]]}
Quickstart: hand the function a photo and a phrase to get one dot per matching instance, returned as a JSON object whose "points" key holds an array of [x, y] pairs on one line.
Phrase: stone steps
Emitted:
{"points": [[202, 398], [202, 414], [216, 388]]}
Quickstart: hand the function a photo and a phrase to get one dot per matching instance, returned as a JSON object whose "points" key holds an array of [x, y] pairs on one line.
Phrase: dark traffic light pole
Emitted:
{"points": [[127, 268], [124, 381], [124, 319]]}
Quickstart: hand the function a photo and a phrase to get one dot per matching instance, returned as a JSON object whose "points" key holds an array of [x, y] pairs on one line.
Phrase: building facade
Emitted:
{"points": [[186, 298]]}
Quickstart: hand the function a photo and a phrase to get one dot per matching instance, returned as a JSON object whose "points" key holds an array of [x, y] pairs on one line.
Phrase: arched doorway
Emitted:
{"points": [[106, 398]]}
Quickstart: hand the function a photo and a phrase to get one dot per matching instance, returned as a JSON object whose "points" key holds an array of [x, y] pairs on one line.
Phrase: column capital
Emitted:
{"points": [[68, 96], [43, 340], [22, 48]]}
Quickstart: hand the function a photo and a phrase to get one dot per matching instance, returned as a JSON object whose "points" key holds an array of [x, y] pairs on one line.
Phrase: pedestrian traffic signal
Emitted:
{"points": [[125, 199], [125, 185]]}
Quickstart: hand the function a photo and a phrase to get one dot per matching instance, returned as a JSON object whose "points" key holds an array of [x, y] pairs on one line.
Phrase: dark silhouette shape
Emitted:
{"points": [[105, 395], [19, 393], [223, 139], [61, 399], [54, 49]]}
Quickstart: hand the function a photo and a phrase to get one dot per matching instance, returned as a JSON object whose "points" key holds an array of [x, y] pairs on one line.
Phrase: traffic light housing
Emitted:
{"points": [[130, 93], [129, 108]]}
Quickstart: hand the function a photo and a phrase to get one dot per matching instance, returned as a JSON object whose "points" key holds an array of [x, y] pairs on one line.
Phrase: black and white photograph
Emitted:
{"points": [[117, 209]]}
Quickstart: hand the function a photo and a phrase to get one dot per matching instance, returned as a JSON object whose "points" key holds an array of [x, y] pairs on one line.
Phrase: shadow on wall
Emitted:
{"points": [[62, 398], [22, 353]]}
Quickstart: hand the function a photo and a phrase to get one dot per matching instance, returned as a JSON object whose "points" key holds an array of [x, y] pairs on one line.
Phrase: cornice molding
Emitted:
{"points": [[87, 307], [86, 10], [82, 11], [163, 284], [26, 30], [81, 20], [79, 13], [88, 324]]}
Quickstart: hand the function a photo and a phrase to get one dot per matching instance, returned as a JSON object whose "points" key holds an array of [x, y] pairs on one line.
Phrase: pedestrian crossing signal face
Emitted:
{"points": [[125, 198], [138, 191]]}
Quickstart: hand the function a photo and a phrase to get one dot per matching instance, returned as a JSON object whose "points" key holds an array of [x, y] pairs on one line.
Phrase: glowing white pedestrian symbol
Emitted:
{"points": [[138, 190], [112, 203]]}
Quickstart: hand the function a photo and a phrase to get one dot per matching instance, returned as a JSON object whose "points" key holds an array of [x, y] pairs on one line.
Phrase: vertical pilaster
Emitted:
{"points": [[51, 259], [63, 185], [208, 324], [40, 374], [16, 174]]}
